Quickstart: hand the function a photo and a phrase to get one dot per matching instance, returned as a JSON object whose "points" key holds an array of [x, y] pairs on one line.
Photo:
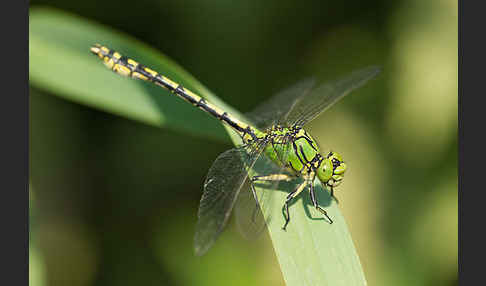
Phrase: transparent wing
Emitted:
{"points": [[277, 107], [251, 219], [304, 101], [221, 187], [310, 105]]}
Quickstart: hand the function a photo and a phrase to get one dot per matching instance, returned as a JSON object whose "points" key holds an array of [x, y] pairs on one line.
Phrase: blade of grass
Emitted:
{"points": [[310, 252]]}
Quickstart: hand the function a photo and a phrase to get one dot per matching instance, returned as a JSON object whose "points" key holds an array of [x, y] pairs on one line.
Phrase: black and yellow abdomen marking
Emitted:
{"points": [[128, 67]]}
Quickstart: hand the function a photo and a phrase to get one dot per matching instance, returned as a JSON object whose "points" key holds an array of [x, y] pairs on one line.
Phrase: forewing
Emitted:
{"points": [[277, 107], [223, 183], [310, 105]]}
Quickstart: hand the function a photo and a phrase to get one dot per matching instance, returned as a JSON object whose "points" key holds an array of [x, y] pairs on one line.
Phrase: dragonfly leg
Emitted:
{"points": [[273, 177], [316, 205], [290, 197], [268, 178]]}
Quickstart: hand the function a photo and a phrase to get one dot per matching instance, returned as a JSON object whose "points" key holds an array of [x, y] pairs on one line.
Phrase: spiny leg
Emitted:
{"points": [[273, 177], [314, 202], [290, 196], [267, 178]]}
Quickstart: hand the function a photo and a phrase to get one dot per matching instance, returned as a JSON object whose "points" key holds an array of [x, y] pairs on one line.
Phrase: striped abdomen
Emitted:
{"points": [[128, 67]]}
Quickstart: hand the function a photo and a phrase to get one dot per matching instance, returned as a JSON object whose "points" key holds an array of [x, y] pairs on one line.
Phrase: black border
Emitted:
{"points": [[14, 207], [471, 79]]}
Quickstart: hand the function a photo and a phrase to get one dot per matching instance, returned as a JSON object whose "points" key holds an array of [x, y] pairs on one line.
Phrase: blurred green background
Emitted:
{"points": [[114, 201]]}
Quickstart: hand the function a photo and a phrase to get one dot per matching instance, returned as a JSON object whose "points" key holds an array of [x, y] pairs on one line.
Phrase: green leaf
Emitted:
{"points": [[310, 252]]}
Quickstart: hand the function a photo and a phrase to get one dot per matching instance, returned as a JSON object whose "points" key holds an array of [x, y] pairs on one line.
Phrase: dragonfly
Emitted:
{"points": [[275, 139]]}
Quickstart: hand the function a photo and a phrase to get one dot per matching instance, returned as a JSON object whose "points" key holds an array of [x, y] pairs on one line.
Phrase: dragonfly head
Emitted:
{"points": [[331, 170]]}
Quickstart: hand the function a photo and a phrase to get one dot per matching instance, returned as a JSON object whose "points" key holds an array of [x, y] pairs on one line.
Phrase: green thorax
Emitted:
{"points": [[294, 148]]}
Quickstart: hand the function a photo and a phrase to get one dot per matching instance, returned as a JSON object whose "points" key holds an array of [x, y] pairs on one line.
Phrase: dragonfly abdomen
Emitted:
{"points": [[128, 67]]}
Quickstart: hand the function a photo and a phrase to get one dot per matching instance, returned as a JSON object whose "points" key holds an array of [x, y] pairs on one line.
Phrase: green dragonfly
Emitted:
{"points": [[275, 142]]}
